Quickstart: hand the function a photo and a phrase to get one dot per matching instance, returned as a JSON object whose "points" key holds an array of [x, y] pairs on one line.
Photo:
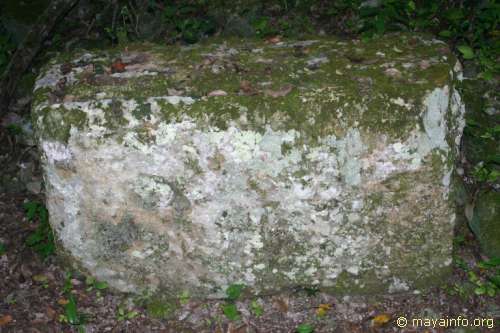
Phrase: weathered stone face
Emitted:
{"points": [[321, 162]]}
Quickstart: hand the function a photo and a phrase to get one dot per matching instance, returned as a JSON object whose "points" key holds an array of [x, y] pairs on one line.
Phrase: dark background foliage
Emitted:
{"points": [[470, 26]]}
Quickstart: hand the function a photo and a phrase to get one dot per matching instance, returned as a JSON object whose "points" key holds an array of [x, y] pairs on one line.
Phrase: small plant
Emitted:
{"points": [[14, 129], [233, 292], [2, 249], [160, 308], [305, 328], [482, 287], [184, 297], [71, 315], [189, 21], [124, 314], [98, 286], [484, 173], [229, 309], [92, 283], [256, 308], [42, 239], [68, 286]]}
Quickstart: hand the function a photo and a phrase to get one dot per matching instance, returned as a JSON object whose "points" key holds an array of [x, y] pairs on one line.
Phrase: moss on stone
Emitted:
{"points": [[340, 93]]}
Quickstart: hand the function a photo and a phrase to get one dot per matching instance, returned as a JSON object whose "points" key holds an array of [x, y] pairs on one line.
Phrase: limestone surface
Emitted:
{"points": [[320, 162]]}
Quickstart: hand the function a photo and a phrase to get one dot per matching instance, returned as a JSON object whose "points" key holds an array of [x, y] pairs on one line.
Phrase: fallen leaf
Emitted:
{"points": [[208, 61], [232, 328], [68, 98], [246, 88], [51, 313], [322, 309], [281, 303], [118, 66], [217, 93], [393, 72], [4, 320], [62, 301], [283, 91], [381, 319], [66, 68], [274, 39], [40, 278]]}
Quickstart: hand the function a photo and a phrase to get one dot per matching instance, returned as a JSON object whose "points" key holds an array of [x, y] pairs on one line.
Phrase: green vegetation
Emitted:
{"points": [[469, 26], [6, 48], [124, 314], [71, 314], [42, 239], [482, 280], [233, 292], [305, 328]]}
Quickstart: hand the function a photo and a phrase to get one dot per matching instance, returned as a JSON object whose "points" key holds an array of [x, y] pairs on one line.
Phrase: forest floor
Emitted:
{"points": [[44, 295]]}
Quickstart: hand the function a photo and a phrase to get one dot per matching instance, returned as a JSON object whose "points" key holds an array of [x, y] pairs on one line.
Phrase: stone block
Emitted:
{"points": [[320, 162]]}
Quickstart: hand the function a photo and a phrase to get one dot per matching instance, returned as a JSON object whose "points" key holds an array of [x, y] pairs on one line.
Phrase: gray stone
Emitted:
{"points": [[337, 177]]}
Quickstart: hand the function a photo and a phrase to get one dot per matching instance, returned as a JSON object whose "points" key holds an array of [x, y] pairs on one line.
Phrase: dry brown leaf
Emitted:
{"points": [[51, 313], [281, 303], [40, 278], [68, 98], [118, 66], [246, 88], [232, 328], [274, 39], [4, 320], [283, 91], [381, 319], [322, 309], [217, 93], [62, 301]]}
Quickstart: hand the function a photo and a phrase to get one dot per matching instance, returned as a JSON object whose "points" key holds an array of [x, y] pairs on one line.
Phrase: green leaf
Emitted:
{"points": [[233, 292], [494, 262], [31, 208], [496, 280], [305, 328], [411, 6], [480, 290], [184, 297], [132, 314], [491, 290], [101, 285], [71, 311], [230, 311], [466, 51], [487, 75], [2, 249], [256, 308], [43, 214], [445, 33]]}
